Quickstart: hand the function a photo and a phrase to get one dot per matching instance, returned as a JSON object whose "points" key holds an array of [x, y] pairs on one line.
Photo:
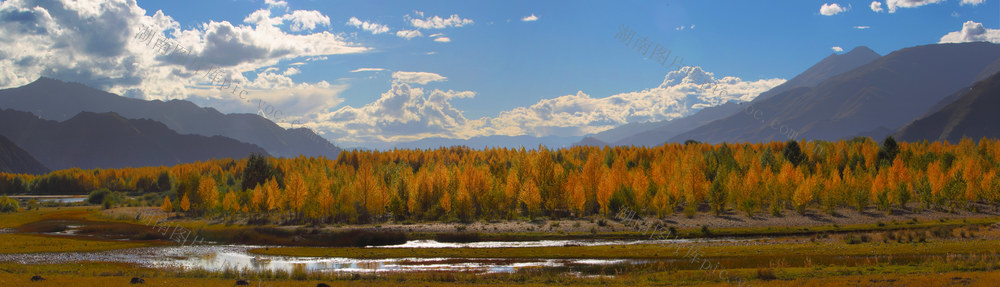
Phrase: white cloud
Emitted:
{"points": [[276, 3], [837, 49], [408, 34], [861, 27], [437, 22], [972, 32], [877, 7], [831, 9], [374, 28], [307, 20], [416, 77], [971, 2], [895, 4], [96, 43], [367, 70], [442, 39], [436, 35], [405, 113], [530, 18]]}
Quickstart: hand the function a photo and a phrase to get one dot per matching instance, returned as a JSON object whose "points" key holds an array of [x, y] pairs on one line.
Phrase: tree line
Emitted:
{"points": [[458, 183]]}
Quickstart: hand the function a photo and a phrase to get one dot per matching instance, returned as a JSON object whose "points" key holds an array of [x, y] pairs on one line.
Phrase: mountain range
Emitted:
{"points": [[108, 140], [57, 100], [972, 115], [887, 93], [13, 159], [656, 133]]}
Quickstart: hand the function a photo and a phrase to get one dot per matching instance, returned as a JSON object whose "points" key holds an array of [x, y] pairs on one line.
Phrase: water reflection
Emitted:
{"points": [[237, 258]]}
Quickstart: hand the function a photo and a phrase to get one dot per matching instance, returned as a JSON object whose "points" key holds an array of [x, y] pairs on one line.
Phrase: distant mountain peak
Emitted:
{"points": [[864, 50]]}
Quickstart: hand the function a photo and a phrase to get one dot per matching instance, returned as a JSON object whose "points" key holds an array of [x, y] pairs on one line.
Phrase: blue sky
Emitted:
{"points": [[561, 74]]}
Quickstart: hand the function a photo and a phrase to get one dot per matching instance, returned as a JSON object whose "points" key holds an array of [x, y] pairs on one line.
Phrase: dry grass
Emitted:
{"points": [[30, 243]]}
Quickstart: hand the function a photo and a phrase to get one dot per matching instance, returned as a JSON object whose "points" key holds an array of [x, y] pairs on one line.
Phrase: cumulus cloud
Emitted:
{"points": [[436, 22], [406, 113], [408, 34], [276, 3], [837, 49], [831, 9], [403, 113], [861, 27], [115, 46], [895, 4], [416, 77], [530, 18], [971, 2], [972, 32], [442, 39], [307, 20], [877, 7], [374, 28]]}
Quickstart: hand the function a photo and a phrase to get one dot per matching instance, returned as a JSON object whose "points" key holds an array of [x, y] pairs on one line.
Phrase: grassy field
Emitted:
{"points": [[945, 252], [31, 243]]}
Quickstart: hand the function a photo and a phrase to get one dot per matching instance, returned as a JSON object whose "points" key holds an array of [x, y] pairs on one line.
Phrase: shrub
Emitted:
{"points": [[766, 274], [8, 204], [98, 196]]}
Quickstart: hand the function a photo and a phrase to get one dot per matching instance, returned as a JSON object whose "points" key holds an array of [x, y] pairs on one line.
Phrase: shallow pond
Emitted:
{"points": [[237, 258]]}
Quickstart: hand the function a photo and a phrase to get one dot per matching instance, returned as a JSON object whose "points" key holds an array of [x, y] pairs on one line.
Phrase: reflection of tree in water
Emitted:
{"points": [[372, 265]]}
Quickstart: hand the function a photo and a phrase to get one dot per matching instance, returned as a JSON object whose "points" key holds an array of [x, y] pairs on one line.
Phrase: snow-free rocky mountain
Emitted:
{"points": [[885, 94], [108, 140], [13, 159], [973, 115], [58, 101]]}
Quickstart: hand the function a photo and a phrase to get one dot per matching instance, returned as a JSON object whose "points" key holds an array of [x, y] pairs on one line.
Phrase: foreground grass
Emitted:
{"points": [[109, 274], [651, 251], [31, 243]]}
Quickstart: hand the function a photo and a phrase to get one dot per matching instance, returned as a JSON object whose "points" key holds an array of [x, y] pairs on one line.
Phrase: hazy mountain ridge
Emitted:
{"points": [[971, 115], [889, 92], [108, 140], [656, 133], [57, 100], [14, 159]]}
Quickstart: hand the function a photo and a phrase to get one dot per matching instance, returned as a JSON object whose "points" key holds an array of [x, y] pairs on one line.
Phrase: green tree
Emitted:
{"points": [[793, 153]]}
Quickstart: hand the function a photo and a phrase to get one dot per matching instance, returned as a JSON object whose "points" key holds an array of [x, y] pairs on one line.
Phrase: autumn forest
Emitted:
{"points": [[462, 184]]}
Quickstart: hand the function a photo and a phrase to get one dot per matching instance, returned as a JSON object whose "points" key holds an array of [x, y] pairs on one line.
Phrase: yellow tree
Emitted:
{"points": [[803, 195], [295, 191], [230, 203], [880, 190], [207, 193], [512, 191], [273, 195], [185, 203], [577, 198], [900, 183], [531, 197], [605, 189], [167, 206], [258, 199]]}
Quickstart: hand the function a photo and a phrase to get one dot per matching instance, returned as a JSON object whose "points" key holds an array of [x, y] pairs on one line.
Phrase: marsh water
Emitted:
{"points": [[238, 258]]}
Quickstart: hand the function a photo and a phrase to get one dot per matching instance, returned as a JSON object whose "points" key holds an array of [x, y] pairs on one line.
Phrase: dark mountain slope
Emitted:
{"points": [[91, 140], [56, 100]]}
